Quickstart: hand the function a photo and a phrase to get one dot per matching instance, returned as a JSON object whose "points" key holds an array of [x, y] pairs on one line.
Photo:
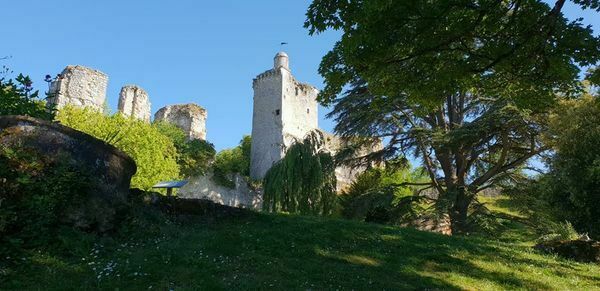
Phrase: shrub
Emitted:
{"points": [[36, 192], [154, 153], [18, 98]]}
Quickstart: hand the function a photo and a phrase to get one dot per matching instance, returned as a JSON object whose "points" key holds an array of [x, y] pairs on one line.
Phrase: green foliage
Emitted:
{"points": [[18, 98], [465, 86], [571, 189], [153, 152], [235, 160], [303, 181], [35, 192], [194, 157]]}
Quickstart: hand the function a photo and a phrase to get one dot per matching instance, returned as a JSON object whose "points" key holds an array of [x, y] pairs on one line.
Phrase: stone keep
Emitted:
{"points": [[191, 118], [79, 86], [285, 110], [134, 102]]}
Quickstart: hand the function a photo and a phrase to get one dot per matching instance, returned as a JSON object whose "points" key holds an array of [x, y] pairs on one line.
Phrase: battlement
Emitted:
{"points": [[266, 75]]}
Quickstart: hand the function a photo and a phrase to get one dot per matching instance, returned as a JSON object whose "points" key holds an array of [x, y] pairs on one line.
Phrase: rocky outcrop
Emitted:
{"points": [[205, 187], [191, 118], [110, 169], [79, 86], [134, 102]]}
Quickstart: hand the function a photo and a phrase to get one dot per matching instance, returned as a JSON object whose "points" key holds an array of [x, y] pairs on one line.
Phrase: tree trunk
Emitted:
{"points": [[459, 211]]}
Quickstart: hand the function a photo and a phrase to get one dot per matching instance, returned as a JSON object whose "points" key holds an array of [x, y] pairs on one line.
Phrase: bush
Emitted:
{"points": [[154, 153], [194, 157], [36, 192], [18, 98]]}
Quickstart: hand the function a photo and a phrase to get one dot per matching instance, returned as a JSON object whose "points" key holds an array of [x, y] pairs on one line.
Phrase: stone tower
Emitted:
{"points": [[285, 110], [134, 102], [79, 86], [191, 118]]}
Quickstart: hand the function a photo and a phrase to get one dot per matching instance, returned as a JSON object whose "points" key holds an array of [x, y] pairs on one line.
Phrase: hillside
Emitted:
{"points": [[263, 251]]}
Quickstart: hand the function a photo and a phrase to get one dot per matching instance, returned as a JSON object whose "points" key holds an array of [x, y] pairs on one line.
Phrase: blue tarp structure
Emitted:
{"points": [[170, 184]]}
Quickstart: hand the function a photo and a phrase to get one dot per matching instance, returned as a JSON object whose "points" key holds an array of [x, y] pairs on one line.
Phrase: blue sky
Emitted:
{"points": [[206, 52]]}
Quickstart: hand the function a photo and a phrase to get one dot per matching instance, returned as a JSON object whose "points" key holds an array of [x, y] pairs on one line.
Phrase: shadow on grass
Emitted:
{"points": [[287, 252], [342, 254]]}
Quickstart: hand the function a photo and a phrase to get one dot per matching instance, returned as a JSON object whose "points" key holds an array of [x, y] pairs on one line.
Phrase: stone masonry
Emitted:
{"points": [[285, 110], [191, 118], [134, 102], [79, 86]]}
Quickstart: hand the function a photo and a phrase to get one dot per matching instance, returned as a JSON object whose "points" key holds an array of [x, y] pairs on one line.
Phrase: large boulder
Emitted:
{"points": [[108, 170]]}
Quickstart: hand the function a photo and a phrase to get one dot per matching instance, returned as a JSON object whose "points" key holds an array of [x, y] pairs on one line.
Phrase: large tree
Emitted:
{"points": [[464, 85]]}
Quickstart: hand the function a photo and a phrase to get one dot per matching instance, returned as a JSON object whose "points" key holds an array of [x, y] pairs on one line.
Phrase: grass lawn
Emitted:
{"points": [[265, 251]]}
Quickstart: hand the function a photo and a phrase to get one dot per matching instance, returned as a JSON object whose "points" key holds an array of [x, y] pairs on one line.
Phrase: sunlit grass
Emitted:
{"points": [[288, 252]]}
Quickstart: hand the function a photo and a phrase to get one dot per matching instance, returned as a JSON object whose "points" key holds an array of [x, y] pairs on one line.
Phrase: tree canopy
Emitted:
{"points": [[465, 86]]}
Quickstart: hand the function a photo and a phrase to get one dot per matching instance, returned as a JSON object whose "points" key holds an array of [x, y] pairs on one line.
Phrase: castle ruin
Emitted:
{"points": [[79, 86], [134, 102], [191, 118], [284, 112]]}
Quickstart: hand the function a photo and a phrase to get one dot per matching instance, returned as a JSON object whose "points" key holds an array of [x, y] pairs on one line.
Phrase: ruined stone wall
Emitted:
{"points": [[191, 118], [134, 102], [205, 187], [79, 86]]}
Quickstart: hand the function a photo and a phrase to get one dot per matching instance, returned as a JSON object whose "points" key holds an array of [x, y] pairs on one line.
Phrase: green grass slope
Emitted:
{"points": [[283, 252]]}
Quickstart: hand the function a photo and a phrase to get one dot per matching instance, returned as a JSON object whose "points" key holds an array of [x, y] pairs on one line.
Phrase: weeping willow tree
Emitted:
{"points": [[303, 181]]}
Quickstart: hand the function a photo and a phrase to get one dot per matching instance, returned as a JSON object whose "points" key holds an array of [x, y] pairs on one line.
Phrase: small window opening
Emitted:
{"points": [[307, 110], [296, 91], [277, 112]]}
